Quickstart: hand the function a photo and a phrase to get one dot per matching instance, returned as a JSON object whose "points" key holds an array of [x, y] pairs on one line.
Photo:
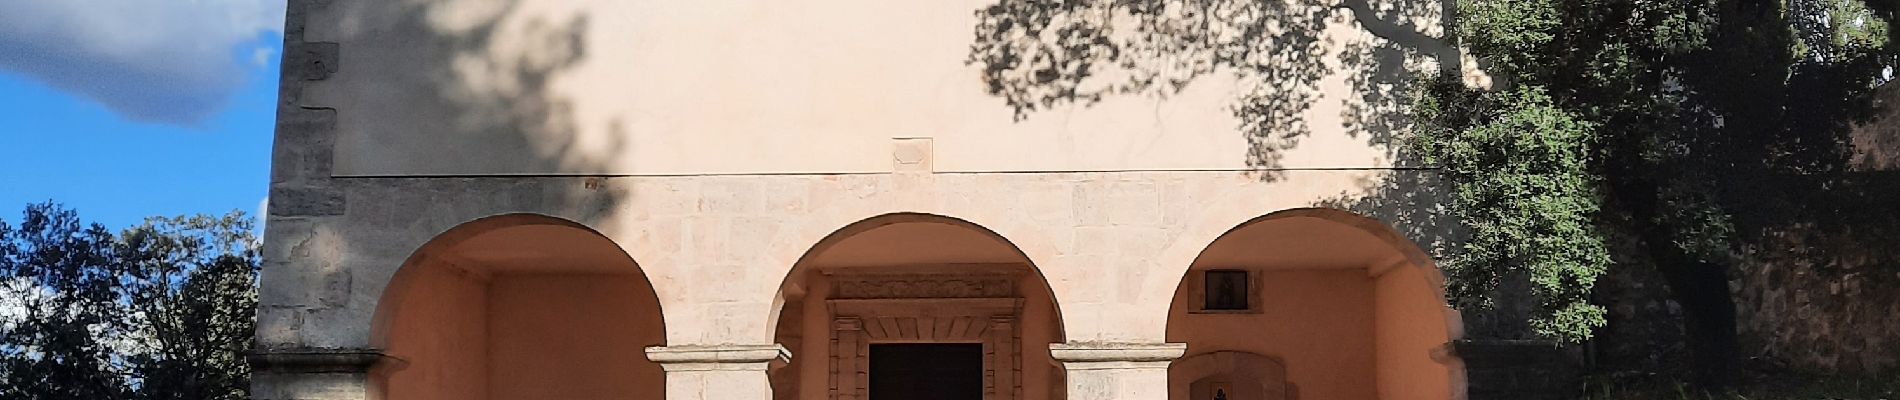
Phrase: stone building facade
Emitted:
{"points": [[783, 200]]}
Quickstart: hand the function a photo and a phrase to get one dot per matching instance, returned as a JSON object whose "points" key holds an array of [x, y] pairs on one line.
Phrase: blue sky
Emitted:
{"points": [[172, 118]]}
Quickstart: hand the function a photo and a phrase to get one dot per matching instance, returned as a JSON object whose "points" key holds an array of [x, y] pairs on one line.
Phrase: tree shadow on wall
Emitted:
{"points": [[386, 81], [406, 118], [494, 74], [475, 92], [1384, 74], [1042, 54]]}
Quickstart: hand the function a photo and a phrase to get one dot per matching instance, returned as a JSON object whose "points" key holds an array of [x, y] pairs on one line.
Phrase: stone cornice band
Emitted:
{"points": [[318, 360]]}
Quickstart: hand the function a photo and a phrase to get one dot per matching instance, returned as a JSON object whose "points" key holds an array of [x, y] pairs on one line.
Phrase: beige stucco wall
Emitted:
{"points": [[472, 87], [715, 144]]}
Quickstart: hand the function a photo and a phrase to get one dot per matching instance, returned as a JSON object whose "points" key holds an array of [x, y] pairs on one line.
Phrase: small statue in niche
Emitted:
{"points": [[1226, 290], [1225, 299], [1220, 390]]}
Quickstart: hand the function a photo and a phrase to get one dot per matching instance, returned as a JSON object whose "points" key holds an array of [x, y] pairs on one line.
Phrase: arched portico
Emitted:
{"points": [[518, 306], [911, 301], [1348, 308]]}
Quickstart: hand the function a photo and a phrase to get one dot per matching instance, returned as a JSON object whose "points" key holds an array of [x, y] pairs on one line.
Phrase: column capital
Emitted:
{"points": [[1083, 352], [727, 357], [318, 360], [1117, 371]]}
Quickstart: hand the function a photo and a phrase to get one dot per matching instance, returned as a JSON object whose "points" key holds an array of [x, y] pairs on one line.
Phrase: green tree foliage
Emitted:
{"points": [[194, 290], [1693, 125], [64, 294], [1525, 189], [163, 310]]}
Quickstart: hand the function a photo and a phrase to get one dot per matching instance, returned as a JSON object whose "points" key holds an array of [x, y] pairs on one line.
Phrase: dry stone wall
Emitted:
{"points": [[1822, 303]]}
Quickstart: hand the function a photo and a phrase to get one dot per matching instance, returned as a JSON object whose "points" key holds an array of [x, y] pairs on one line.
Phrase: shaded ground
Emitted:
{"points": [[1755, 386]]}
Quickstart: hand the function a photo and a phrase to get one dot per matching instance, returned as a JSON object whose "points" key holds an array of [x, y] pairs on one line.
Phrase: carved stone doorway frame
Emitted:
{"points": [[957, 304]]}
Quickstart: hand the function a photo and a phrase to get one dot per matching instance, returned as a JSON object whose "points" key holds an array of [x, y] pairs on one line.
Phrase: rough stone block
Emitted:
{"points": [[309, 386], [311, 61], [305, 144], [278, 327], [1090, 205], [306, 201]]}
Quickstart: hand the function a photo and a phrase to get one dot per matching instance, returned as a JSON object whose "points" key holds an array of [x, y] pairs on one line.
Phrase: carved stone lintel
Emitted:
{"points": [[970, 307], [718, 357], [923, 286], [318, 360], [925, 281]]}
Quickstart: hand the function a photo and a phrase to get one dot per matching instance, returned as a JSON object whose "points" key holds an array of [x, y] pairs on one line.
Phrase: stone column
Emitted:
{"points": [[848, 360], [1002, 358], [718, 372], [313, 374], [1117, 371]]}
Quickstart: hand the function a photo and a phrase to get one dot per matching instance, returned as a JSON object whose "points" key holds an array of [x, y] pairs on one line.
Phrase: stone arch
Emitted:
{"points": [[824, 228], [518, 306], [817, 240], [914, 278], [1253, 376], [1350, 307]]}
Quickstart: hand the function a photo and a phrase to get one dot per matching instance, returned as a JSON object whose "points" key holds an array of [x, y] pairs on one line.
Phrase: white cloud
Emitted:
{"points": [[164, 61], [262, 56], [262, 215]]}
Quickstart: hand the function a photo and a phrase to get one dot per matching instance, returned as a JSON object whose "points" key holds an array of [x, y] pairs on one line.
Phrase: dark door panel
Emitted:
{"points": [[935, 371]]}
